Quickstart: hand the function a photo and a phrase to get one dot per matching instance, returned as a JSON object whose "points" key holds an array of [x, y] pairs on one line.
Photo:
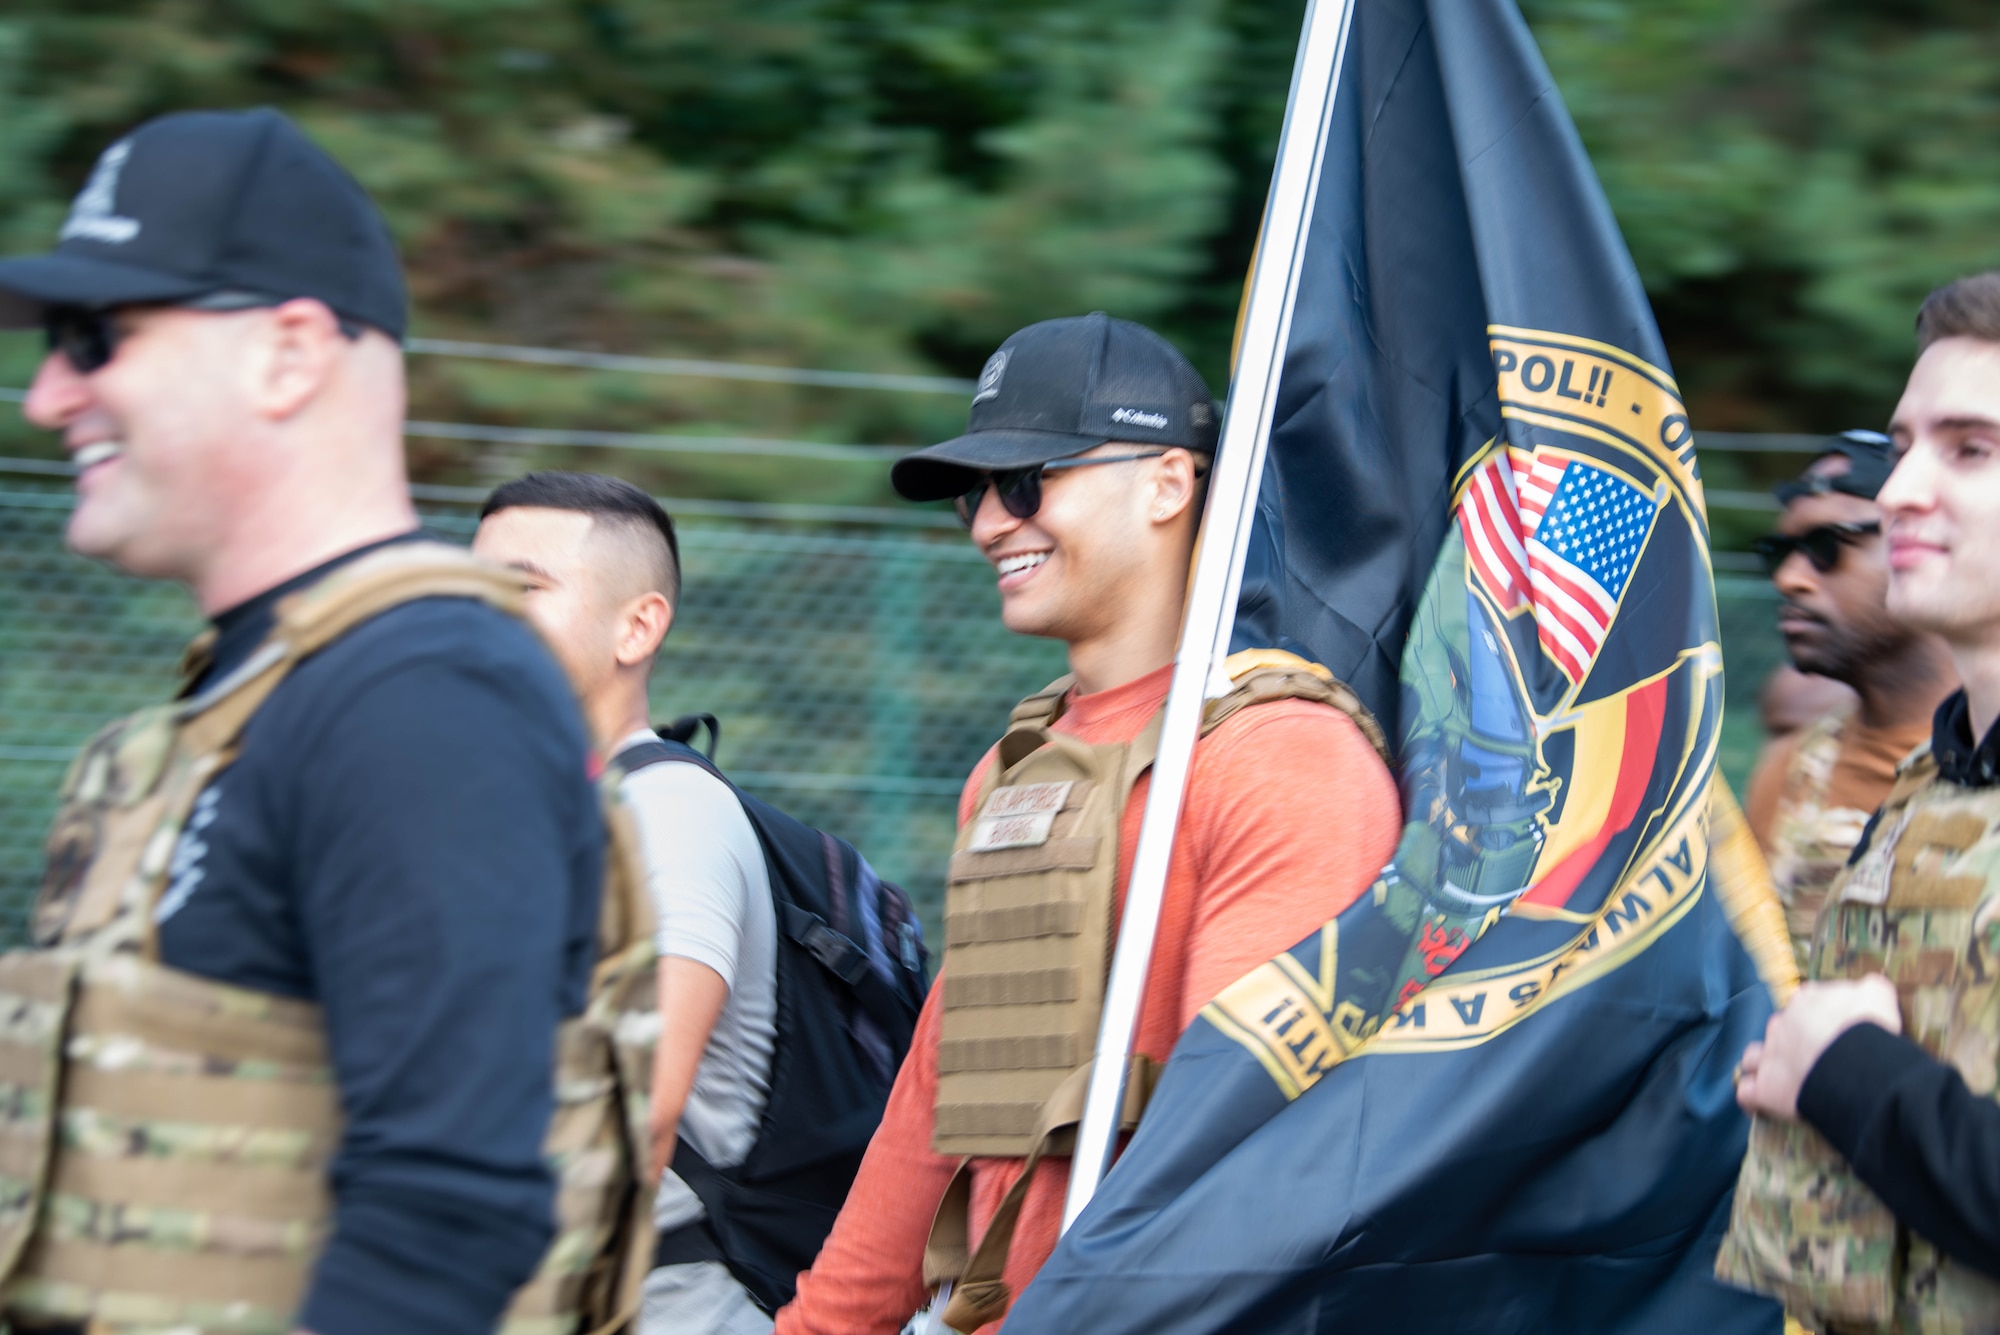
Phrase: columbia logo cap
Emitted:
{"points": [[1059, 388], [206, 202]]}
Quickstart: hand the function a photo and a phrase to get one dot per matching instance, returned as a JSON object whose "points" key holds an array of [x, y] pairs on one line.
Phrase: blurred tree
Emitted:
{"points": [[894, 185], [1792, 176], [874, 184]]}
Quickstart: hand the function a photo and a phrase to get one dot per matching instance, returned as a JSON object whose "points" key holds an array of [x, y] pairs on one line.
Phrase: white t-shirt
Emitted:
{"points": [[712, 892]]}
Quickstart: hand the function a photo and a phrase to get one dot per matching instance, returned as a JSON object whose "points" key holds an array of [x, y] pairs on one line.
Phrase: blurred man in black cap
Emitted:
{"points": [[1080, 479], [326, 912], [1813, 791]]}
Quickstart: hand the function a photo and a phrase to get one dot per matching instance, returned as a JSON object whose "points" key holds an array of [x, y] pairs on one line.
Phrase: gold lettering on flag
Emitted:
{"points": [[1285, 1016], [1593, 389]]}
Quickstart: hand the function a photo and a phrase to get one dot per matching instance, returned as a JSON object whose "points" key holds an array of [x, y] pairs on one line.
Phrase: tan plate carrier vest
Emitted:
{"points": [[1030, 921], [1917, 906], [164, 1138]]}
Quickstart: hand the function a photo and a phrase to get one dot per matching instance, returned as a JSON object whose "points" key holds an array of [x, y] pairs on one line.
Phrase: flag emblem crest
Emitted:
{"points": [[1493, 1092]]}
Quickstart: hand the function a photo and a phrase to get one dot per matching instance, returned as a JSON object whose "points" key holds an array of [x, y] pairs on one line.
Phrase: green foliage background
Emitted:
{"points": [[897, 184]]}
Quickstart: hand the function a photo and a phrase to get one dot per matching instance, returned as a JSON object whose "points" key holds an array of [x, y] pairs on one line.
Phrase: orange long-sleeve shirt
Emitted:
{"points": [[1289, 816]]}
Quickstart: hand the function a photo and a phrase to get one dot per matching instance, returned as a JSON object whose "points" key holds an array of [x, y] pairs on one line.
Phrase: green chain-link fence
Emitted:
{"points": [[858, 673]]}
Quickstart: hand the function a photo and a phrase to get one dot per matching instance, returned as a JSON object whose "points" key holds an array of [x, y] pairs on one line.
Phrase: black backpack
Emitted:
{"points": [[850, 981]]}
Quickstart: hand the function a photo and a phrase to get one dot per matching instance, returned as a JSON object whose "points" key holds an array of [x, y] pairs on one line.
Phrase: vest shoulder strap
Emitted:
{"points": [[1918, 771], [315, 617], [1259, 676], [1044, 706]]}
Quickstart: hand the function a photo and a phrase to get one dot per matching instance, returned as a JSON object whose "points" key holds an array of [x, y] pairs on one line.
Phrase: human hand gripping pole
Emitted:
{"points": [[1218, 575]]}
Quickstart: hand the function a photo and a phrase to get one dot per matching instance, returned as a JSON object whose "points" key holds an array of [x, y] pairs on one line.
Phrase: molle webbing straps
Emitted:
{"points": [[1803, 1227], [1030, 922], [600, 1137], [185, 1188], [185, 1182], [1030, 903], [981, 1293], [35, 995], [1028, 932]]}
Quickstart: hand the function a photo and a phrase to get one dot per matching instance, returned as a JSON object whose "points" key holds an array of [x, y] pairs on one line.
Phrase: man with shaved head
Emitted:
{"points": [[603, 569]]}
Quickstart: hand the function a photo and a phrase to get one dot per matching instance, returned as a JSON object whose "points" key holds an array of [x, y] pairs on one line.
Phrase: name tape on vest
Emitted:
{"points": [[1019, 817], [1868, 881]]}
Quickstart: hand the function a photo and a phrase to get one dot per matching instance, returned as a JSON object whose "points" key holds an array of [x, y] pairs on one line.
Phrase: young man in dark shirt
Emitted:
{"points": [[408, 835]]}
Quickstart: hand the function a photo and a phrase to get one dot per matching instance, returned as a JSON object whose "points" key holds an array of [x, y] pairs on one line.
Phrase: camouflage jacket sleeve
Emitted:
{"points": [[1916, 1135]]}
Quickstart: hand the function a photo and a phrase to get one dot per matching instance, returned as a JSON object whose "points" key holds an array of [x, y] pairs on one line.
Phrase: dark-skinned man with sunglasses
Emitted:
{"points": [[282, 1056], [1081, 481], [1814, 790]]}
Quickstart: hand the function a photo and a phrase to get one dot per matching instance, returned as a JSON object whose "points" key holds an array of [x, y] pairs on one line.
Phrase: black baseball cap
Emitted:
{"points": [[203, 203], [1870, 455], [1059, 388]]}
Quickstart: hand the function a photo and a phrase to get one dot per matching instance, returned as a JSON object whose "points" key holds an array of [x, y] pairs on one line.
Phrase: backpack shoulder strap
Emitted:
{"points": [[833, 950], [661, 751], [1259, 676]]}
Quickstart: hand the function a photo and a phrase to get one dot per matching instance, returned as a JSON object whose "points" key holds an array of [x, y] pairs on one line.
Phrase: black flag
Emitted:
{"points": [[1495, 1094]]}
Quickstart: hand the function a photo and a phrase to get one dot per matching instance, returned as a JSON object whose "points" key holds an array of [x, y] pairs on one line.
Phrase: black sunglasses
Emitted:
{"points": [[1021, 488], [1821, 545], [88, 336]]}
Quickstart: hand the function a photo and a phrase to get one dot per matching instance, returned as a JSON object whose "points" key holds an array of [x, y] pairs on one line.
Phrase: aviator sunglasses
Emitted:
{"points": [[88, 336], [1020, 489], [1821, 545]]}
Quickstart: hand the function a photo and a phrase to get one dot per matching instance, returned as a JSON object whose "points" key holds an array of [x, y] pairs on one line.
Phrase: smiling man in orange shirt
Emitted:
{"points": [[1081, 480]]}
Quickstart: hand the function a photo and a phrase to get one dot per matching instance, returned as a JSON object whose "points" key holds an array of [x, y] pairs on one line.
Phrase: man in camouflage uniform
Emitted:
{"points": [[1814, 790], [1870, 1199]]}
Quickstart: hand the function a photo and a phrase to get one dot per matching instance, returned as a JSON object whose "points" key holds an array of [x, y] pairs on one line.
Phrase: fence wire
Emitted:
{"points": [[858, 672]]}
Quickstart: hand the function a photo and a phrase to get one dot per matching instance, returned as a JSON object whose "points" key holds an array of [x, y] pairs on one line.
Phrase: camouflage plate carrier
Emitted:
{"points": [[1030, 921], [164, 1138], [1810, 840], [1921, 905]]}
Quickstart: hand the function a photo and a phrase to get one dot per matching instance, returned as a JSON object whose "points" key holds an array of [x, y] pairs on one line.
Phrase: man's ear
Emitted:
{"points": [[292, 352], [644, 623], [1175, 486]]}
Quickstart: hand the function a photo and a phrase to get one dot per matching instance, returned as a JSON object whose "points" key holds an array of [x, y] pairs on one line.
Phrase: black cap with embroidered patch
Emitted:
{"points": [[1059, 388], [200, 204]]}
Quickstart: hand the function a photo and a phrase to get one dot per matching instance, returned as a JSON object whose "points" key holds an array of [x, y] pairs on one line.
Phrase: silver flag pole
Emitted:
{"points": [[1232, 507]]}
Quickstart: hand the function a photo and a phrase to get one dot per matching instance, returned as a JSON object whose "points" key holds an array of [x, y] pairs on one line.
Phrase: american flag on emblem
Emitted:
{"points": [[1553, 533]]}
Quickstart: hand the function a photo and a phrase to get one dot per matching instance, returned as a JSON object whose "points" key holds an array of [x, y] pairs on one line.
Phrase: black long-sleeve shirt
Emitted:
{"points": [[1906, 1122], [1912, 1130], [410, 838]]}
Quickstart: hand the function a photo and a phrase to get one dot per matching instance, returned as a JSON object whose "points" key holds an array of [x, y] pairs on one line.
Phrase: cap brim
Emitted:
{"points": [[32, 284], [949, 469]]}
